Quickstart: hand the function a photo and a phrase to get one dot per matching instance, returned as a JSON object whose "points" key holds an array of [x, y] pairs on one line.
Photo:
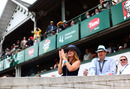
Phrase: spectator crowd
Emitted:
{"points": [[100, 65]]}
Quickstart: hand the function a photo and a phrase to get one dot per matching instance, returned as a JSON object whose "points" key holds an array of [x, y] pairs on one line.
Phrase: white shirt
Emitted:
{"points": [[108, 68], [124, 69], [87, 56]]}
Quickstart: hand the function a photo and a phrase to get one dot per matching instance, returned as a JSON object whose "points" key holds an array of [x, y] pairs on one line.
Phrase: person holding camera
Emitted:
{"points": [[69, 62], [37, 33]]}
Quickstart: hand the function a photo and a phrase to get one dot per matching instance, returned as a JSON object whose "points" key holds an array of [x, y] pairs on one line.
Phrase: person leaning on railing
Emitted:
{"points": [[23, 43], [59, 26], [3, 54], [7, 54], [88, 15], [72, 23], [118, 1], [65, 25], [50, 29], [12, 49], [104, 4], [29, 42], [18, 47]]}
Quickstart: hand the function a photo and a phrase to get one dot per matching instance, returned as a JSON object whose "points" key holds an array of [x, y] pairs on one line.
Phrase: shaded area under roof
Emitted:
{"points": [[42, 4], [50, 10], [18, 34]]}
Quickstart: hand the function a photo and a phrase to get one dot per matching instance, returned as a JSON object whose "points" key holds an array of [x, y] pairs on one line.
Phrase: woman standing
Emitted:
{"points": [[71, 64]]}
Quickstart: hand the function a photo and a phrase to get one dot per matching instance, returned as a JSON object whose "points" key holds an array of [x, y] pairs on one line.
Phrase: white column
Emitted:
{"points": [[18, 71], [33, 18], [0, 49], [35, 24]]}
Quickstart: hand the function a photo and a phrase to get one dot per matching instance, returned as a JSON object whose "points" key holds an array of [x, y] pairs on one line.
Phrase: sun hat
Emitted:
{"points": [[120, 47], [51, 22], [74, 48], [101, 48], [59, 23]]}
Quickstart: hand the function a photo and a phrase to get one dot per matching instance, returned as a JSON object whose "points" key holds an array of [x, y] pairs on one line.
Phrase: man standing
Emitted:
{"points": [[51, 29], [23, 43], [102, 65], [125, 67]]}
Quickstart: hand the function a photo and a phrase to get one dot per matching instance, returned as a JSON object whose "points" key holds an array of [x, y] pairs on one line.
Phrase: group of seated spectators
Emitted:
{"points": [[111, 47]]}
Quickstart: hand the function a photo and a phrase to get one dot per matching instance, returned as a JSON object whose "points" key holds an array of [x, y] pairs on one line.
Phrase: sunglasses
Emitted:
{"points": [[122, 59]]}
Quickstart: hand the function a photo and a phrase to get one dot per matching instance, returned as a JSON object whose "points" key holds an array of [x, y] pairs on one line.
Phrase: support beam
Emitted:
{"points": [[63, 10], [18, 71], [33, 18], [35, 24], [1, 49]]}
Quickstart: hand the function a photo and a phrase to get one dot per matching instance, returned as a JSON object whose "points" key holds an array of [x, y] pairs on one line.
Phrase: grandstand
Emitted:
{"points": [[19, 18]]}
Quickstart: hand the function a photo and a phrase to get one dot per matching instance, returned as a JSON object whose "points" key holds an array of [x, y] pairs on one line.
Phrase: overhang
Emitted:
{"points": [[43, 4], [6, 16]]}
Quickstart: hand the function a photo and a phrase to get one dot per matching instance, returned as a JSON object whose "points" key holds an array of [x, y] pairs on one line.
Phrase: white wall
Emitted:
{"points": [[2, 6], [29, 1]]}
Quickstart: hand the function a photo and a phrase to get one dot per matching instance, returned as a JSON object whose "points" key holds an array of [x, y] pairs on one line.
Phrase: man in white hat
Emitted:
{"points": [[102, 65]]}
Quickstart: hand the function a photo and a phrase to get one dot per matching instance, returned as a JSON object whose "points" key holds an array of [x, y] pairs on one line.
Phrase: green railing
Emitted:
{"points": [[81, 29]]}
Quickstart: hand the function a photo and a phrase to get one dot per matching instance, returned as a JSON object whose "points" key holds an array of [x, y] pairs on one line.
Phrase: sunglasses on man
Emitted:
{"points": [[122, 59]]}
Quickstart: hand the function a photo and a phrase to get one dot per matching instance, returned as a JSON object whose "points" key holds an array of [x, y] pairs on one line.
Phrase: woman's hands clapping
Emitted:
{"points": [[62, 55]]}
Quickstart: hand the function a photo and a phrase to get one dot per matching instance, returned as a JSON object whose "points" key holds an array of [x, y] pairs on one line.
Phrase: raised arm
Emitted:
{"points": [[70, 67], [60, 64]]}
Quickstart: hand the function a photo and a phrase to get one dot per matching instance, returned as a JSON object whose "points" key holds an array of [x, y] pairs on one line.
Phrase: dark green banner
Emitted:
{"points": [[95, 24], [47, 45], [1, 65], [69, 35], [31, 52], [120, 12], [19, 58]]}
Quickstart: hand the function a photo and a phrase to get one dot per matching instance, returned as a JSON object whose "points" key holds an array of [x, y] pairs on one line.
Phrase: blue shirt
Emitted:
{"points": [[51, 28], [102, 68]]}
